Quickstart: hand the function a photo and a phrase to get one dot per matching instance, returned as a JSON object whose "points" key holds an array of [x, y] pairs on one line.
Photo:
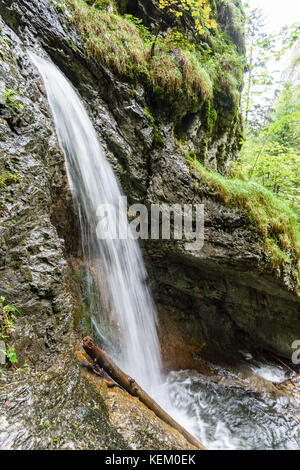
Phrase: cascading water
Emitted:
{"points": [[220, 417], [118, 262]]}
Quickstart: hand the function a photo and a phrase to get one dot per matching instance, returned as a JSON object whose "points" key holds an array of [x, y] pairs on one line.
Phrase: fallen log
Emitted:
{"points": [[106, 363]]}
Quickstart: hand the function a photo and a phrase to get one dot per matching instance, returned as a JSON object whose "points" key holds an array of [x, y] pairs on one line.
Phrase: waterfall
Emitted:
{"points": [[220, 416], [116, 263]]}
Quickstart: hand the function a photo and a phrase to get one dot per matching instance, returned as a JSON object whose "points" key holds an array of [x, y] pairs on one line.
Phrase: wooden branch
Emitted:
{"points": [[105, 362], [294, 380]]}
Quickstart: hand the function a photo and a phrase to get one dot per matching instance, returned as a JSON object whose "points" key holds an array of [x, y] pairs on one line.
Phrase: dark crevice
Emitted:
{"points": [[12, 127]]}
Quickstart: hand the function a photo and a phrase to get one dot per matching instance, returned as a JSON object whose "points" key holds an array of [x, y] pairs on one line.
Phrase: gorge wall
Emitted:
{"points": [[211, 303]]}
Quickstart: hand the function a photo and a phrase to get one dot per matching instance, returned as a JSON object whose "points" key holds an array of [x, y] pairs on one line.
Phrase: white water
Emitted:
{"points": [[118, 263]]}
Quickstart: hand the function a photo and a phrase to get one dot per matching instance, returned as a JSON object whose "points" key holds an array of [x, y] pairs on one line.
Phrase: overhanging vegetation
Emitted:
{"points": [[275, 221]]}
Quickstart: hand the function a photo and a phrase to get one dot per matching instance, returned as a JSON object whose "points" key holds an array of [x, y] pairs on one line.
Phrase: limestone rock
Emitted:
{"points": [[2, 353]]}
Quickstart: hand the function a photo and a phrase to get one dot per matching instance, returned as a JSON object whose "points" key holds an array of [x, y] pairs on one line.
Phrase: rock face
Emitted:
{"points": [[213, 302], [293, 72], [53, 403]]}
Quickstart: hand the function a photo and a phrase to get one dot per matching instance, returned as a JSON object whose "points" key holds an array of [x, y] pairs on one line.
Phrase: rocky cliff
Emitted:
{"points": [[293, 72], [211, 303]]}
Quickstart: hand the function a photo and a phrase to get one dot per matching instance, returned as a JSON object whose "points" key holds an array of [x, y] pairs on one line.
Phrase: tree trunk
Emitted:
{"points": [[103, 360]]}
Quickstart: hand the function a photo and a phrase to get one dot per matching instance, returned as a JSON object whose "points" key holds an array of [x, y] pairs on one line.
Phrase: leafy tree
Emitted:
{"points": [[200, 10], [261, 49]]}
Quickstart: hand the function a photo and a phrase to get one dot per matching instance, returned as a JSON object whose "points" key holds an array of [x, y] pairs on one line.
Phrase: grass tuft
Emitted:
{"points": [[175, 66], [165, 73]]}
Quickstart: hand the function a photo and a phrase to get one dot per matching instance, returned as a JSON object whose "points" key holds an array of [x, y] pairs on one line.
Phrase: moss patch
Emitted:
{"points": [[179, 71], [7, 178], [158, 141]]}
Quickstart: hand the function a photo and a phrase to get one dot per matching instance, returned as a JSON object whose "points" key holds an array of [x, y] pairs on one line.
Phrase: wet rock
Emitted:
{"points": [[49, 404], [225, 276], [139, 426], [2, 353], [218, 299]]}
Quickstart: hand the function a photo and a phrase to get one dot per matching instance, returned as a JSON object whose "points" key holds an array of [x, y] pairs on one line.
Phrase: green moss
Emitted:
{"points": [[29, 277], [157, 90], [181, 73], [7, 178], [158, 141], [202, 152], [275, 222], [113, 40], [149, 116], [76, 49], [11, 100], [165, 73], [99, 4]]}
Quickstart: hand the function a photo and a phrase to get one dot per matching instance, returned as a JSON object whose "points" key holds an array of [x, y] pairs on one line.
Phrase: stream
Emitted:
{"points": [[227, 416]]}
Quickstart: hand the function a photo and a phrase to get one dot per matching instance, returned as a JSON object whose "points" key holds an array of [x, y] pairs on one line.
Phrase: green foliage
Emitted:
{"points": [[7, 325], [7, 317], [289, 35], [275, 221], [273, 155], [7, 178], [47, 424], [60, 7], [200, 11], [11, 355], [158, 141], [260, 50], [179, 72], [11, 100], [143, 31]]}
